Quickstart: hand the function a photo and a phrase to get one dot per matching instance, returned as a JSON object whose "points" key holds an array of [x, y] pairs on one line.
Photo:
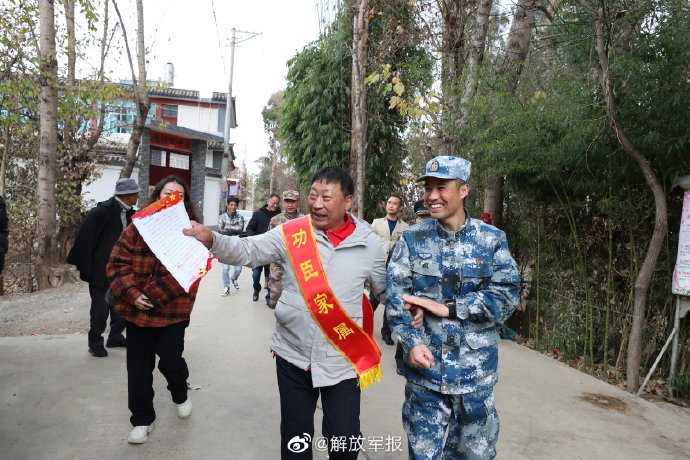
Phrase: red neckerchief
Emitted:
{"points": [[338, 235]]}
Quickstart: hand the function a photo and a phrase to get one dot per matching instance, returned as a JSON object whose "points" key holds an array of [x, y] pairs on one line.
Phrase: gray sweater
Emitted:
{"points": [[298, 339]]}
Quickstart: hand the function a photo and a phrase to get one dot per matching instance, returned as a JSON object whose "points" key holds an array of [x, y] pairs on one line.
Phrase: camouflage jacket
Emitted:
{"points": [[230, 224], [472, 267], [275, 278]]}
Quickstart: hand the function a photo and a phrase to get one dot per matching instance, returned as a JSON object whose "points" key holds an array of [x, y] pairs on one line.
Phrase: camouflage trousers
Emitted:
{"points": [[471, 422]]}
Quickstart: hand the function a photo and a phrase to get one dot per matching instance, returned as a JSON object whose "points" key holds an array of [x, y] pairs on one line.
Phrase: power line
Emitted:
{"points": [[220, 46]]}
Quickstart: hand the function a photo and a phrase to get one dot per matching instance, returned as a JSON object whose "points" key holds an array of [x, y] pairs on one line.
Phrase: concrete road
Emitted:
{"points": [[58, 402]]}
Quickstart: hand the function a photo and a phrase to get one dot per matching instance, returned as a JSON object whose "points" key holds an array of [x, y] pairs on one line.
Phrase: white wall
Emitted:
{"points": [[103, 188], [211, 200], [199, 118]]}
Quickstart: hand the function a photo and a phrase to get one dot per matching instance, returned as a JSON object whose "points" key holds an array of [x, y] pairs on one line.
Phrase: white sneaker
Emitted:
{"points": [[237, 286], [184, 410], [226, 291], [139, 434]]}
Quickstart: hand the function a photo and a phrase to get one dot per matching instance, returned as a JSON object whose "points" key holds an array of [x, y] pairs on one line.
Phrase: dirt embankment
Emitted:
{"points": [[64, 310]]}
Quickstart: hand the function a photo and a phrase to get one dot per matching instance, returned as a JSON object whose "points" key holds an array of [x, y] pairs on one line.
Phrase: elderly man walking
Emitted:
{"points": [[460, 271], [93, 243], [323, 342]]}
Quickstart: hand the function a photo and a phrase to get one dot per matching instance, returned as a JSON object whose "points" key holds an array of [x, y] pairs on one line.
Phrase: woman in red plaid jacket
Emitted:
{"points": [[157, 310]]}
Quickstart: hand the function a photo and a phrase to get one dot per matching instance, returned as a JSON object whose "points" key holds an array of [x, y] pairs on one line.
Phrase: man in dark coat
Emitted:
{"points": [[95, 239], [257, 225]]}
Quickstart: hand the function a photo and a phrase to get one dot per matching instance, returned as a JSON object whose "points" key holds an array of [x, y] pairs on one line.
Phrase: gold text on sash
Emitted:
{"points": [[320, 301], [308, 271], [299, 239], [343, 331]]}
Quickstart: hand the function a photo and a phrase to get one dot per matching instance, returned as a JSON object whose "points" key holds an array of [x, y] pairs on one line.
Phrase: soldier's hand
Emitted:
{"points": [[421, 356], [435, 308], [201, 233], [417, 315]]}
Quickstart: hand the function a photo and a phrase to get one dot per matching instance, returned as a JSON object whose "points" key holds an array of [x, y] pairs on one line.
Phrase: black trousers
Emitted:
{"points": [[99, 318], [298, 399], [143, 344]]}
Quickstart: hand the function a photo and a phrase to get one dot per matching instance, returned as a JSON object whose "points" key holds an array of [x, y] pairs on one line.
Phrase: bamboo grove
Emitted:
{"points": [[527, 93]]}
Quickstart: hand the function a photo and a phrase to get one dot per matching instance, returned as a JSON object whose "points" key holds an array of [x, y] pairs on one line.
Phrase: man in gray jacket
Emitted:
{"points": [[308, 365]]}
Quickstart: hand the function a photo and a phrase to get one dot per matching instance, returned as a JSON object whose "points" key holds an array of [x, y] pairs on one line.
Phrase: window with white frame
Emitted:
{"points": [[169, 110], [179, 161], [157, 157]]}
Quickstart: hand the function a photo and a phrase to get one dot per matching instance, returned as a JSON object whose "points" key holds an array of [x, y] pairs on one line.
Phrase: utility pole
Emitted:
{"points": [[228, 161]]}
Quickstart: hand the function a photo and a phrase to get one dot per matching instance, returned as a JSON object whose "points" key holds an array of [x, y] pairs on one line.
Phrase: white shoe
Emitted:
{"points": [[184, 410], [226, 291], [237, 286], [139, 434]]}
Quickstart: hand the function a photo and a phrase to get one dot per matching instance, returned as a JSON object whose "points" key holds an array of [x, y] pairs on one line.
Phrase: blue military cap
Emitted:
{"points": [[446, 167]]}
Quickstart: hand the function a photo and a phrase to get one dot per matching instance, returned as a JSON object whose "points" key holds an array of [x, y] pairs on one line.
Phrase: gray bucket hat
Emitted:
{"points": [[126, 186]]}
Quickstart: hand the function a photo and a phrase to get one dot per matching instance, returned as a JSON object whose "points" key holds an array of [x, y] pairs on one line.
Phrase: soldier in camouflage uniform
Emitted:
{"points": [[460, 271], [291, 211]]}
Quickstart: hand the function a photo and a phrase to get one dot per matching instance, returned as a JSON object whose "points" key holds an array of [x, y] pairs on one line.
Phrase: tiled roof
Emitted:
{"points": [[105, 144], [181, 131], [174, 92], [222, 97], [217, 145]]}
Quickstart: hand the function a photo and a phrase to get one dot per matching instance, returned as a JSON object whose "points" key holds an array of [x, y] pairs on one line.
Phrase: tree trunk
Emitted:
{"points": [[476, 56], [5, 158], [46, 257], [454, 17], [517, 49], [77, 144], [105, 47], [519, 39], [273, 157], [660, 220], [360, 117], [493, 198], [140, 92], [71, 41]]}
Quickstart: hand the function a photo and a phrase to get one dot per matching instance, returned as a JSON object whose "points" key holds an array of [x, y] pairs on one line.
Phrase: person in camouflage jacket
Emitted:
{"points": [[230, 222], [460, 271], [275, 277]]}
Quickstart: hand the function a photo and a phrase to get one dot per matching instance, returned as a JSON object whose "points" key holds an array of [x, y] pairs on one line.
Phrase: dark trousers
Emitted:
{"points": [[143, 344], [385, 329], [256, 277], [99, 319], [298, 399]]}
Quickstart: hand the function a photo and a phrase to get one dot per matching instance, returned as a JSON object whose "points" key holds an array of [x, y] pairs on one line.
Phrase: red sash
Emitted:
{"points": [[356, 345]]}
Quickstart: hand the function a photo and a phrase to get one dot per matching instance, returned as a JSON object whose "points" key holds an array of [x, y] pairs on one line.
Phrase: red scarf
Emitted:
{"points": [[338, 235]]}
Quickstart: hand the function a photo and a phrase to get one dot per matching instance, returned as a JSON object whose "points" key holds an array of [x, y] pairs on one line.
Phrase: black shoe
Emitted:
{"points": [[389, 341], [255, 297], [98, 352], [116, 343]]}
